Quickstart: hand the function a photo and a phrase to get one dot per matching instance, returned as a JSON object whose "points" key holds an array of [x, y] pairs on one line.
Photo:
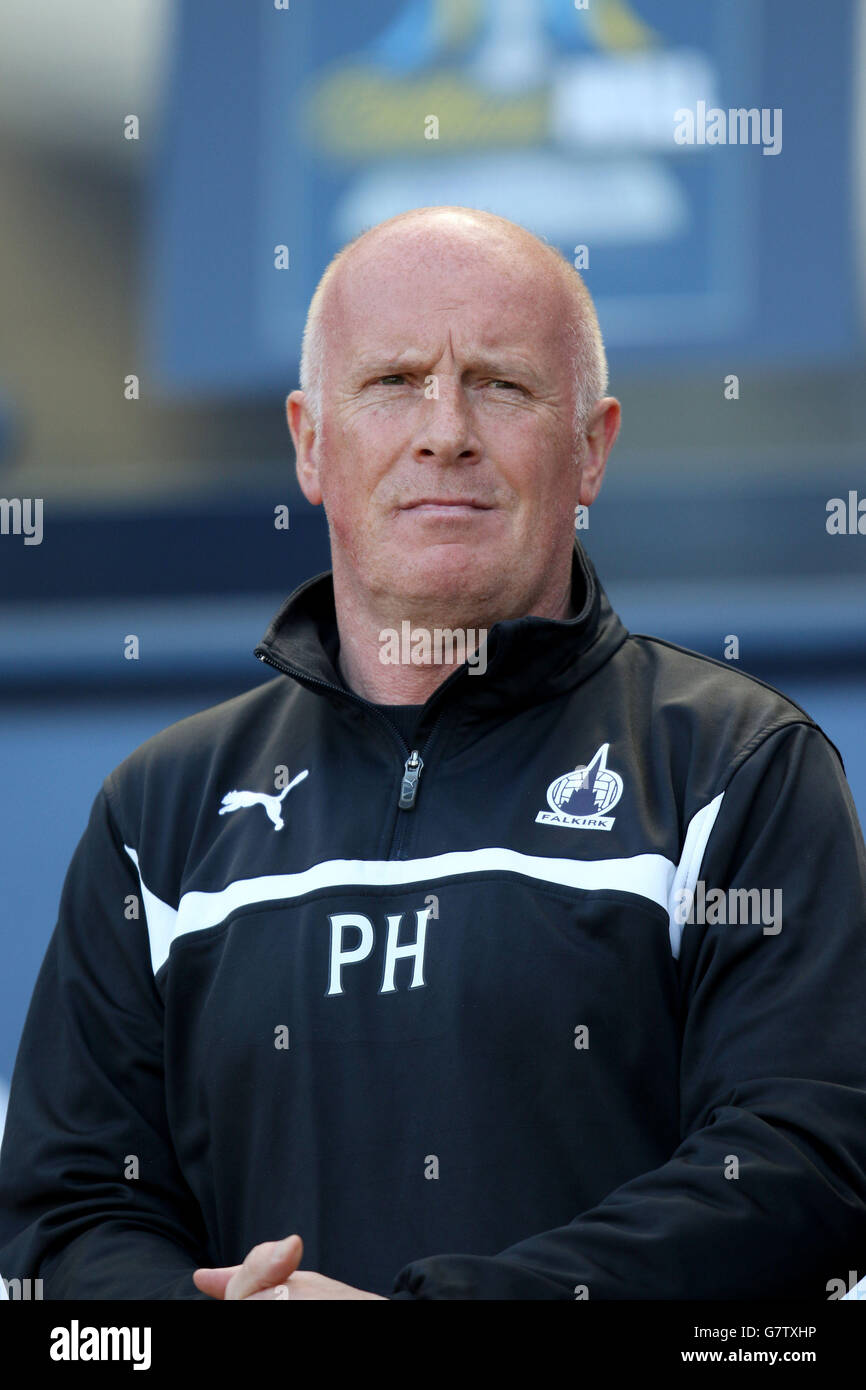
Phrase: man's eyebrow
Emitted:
{"points": [[503, 365], [406, 359], [388, 361]]}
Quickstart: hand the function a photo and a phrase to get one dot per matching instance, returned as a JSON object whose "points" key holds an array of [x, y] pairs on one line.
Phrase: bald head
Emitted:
{"points": [[422, 236]]}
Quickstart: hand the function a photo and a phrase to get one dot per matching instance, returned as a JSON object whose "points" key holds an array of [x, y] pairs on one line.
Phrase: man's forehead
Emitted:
{"points": [[413, 293], [431, 263]]}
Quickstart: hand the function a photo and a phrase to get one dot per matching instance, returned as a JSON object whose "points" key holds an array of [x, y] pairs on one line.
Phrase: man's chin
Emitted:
{"points": [[447, 571]]}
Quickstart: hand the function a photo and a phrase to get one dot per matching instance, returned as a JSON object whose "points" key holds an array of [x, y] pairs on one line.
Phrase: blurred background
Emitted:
{"points": [[153, 158]]}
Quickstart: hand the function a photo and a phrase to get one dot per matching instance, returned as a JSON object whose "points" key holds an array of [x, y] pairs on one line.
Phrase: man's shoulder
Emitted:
{"points": [[714, 696], [709, 718], [676, 667], [190, 743]]}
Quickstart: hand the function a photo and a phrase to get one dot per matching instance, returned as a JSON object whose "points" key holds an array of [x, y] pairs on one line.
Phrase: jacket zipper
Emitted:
{"points": [[412, 766], [409, 785], [409, 788]]}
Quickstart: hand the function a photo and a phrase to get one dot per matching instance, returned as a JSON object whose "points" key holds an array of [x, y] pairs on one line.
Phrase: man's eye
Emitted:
{"points": [[509, 385], [395, 378]]}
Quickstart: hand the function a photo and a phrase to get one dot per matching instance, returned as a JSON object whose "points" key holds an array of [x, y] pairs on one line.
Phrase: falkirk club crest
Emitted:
{"points": [[580, 798]]}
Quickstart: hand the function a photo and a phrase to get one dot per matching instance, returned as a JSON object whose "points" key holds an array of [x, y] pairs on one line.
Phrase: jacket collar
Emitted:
{"points": [[528, 659]]}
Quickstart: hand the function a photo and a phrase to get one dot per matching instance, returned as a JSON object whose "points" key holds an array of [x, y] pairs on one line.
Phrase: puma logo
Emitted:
{"points": [[234, 801]]}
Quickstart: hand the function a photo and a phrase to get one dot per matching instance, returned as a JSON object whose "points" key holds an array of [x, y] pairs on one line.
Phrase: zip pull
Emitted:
{"points": [[409, 784]]}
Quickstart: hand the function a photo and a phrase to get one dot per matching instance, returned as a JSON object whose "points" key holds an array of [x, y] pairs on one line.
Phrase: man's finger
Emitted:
{"points": [[214, 1281], [265, 1266]]}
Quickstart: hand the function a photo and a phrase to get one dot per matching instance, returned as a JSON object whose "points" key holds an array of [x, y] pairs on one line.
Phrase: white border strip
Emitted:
{"points": [[644, 875], [650, 876], [161, 919], [697, 835]]}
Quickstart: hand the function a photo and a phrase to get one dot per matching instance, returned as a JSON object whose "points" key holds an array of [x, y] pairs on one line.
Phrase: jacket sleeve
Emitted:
{"points": [[766, 1194], [92, 1200]]}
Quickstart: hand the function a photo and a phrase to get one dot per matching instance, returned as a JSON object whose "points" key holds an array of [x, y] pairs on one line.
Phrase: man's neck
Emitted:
{"points": [[362, 656]]}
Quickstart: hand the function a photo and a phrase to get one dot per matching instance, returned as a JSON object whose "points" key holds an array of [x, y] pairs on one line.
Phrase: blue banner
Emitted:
{"points": [[694, 162]]}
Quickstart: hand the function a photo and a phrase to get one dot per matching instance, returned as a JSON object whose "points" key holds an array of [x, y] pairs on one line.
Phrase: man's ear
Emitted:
{"points": [[305, 439], [602, 428]]}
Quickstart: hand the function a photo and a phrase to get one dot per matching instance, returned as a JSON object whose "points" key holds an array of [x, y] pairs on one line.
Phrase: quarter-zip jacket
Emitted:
{"points": [[436, 1008]]}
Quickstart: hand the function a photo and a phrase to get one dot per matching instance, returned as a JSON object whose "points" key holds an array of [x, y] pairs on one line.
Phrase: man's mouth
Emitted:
{"points": [[441, 503]]}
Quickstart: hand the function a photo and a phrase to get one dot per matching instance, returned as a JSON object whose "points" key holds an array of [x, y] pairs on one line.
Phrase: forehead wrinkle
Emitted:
{"points": [[486, 347]]}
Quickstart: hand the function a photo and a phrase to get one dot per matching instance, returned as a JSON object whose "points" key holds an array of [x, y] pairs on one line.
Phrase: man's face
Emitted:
{"points": [[446, 457]]}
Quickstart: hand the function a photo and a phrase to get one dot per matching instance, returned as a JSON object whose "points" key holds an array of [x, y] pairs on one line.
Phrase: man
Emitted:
{"points": [[419, 994]]}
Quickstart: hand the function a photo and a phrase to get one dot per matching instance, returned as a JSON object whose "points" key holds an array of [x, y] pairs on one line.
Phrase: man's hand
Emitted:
{"points": [[271, 1271]]}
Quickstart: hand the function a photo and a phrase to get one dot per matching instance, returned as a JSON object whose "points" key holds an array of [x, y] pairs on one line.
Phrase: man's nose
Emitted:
{"points": [[446, 429]]}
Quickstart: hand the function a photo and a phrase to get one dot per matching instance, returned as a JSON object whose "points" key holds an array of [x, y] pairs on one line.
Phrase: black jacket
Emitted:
{"points": [[466, 1049]]}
